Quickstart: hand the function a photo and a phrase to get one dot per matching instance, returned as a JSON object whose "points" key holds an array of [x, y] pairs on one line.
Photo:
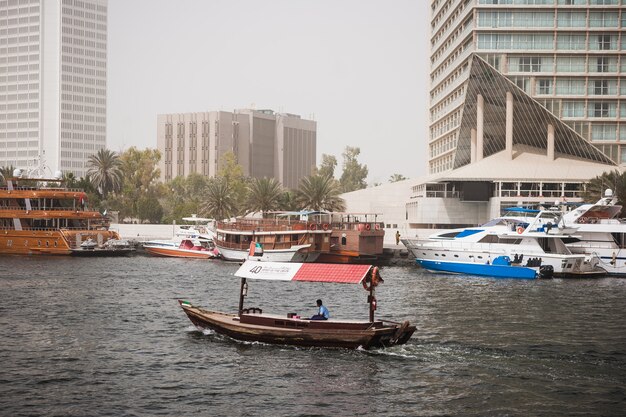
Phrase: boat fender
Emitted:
{"points": [[312, 226], [520, 230], [325, 226]]}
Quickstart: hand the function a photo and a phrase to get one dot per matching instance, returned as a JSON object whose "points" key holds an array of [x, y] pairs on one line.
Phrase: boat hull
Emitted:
{"points": [[47, 242], [269, 255], [297, 332], [177, 252], [493, 271]]}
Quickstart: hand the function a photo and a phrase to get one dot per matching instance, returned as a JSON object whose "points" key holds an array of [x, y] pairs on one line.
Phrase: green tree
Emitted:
{"points": [[328, 165], [232, 173], [595, 187], [397, 177], [288, 201], [320, 193], [104, 171], [264, 194], [140, 173], [149, 208], [354, 174], [183, 196], [6, 173], [220, 200]]}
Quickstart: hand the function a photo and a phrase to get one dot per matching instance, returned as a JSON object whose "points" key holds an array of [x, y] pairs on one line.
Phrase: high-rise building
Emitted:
{"points": [[557, 68], [53, 75], [264, 143]]}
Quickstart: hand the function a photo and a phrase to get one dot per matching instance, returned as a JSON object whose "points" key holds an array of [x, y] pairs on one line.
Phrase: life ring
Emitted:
{"points": [[313, 226], [582, 220], [325, 226], [377, 227], [520, 230], [368, 226], [371, 281]]}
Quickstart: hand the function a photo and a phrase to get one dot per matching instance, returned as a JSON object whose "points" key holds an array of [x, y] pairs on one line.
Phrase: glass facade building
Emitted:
{"points": [[562, 62]]}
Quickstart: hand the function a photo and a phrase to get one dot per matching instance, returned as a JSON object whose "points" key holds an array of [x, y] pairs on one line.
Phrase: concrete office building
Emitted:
{"points": [[265, 144], [53, 74]]}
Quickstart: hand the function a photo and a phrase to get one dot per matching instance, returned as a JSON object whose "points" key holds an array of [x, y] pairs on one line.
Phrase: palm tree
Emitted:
{"points": [[615, 180], [397, 177], [220, 202], [319, 192], [105, 171], [6, 173], [264, 194]]}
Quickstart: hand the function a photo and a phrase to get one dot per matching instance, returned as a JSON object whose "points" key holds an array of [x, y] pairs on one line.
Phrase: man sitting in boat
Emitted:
{"points": [[323, 313]]}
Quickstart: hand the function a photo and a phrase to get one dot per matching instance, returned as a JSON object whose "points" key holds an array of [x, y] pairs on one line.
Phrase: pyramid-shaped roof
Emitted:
{"points": [[530, 120]]}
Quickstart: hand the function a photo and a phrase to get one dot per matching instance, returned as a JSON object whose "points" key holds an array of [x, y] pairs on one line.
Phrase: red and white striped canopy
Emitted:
{"points": [[337, 273]]}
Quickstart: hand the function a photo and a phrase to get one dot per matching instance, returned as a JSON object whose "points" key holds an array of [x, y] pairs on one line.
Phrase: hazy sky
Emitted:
{"points": [[357, 67]]}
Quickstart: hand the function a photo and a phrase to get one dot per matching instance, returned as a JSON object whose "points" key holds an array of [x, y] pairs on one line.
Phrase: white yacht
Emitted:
{"points": [[599, 232], [513, 240]]}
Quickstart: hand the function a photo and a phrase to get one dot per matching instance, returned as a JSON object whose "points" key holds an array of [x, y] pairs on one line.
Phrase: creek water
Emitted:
{"points": [[101, 337]]}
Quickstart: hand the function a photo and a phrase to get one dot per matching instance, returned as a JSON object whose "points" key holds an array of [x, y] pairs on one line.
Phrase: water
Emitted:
{"points": [[102, 337]]}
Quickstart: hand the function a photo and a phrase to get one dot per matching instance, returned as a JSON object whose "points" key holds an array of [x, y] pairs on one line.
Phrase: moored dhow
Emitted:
{"points": [[534, 243], [305, 236], [40, 215], [284, 237]]}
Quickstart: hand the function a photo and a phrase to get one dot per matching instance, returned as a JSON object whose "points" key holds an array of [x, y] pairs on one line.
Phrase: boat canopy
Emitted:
{"points": [[197, 219], [521, 210], [311, 272]]}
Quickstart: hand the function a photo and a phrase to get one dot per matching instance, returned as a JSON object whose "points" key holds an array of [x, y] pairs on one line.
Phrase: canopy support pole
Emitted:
{"points": [[241, 295], [371, 296]]}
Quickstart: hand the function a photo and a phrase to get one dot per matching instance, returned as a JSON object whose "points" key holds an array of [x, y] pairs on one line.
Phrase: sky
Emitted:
{"points": [[357, 67]]}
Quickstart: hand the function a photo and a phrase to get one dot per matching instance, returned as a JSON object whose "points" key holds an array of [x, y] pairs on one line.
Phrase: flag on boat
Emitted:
{"points": [[312, 272], [256, 249]]}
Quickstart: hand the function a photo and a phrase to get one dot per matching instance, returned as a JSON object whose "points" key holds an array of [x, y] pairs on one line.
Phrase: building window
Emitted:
{"points": [[544, 87], [574, 42], [604, 42], [602, 109], [529, 64], [602, 64], [573, 109], [603, 131], [600, 87]]}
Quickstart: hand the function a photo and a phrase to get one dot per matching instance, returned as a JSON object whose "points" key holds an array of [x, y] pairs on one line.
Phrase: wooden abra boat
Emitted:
{"points": [[251, 324], [42, 216]]}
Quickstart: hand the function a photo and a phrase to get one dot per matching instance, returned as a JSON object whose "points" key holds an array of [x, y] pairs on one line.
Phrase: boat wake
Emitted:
{"points": [[407, 351]]}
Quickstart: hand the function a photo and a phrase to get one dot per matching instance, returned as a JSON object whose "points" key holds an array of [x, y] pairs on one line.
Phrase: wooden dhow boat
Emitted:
{"points": [[283, 237], [304, 236], [40, 215], [251, 324]]}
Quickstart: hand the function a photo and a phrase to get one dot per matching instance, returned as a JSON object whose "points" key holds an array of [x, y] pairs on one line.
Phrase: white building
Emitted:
{"points": [[53, 75], [527, 103], [567, 55]]}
